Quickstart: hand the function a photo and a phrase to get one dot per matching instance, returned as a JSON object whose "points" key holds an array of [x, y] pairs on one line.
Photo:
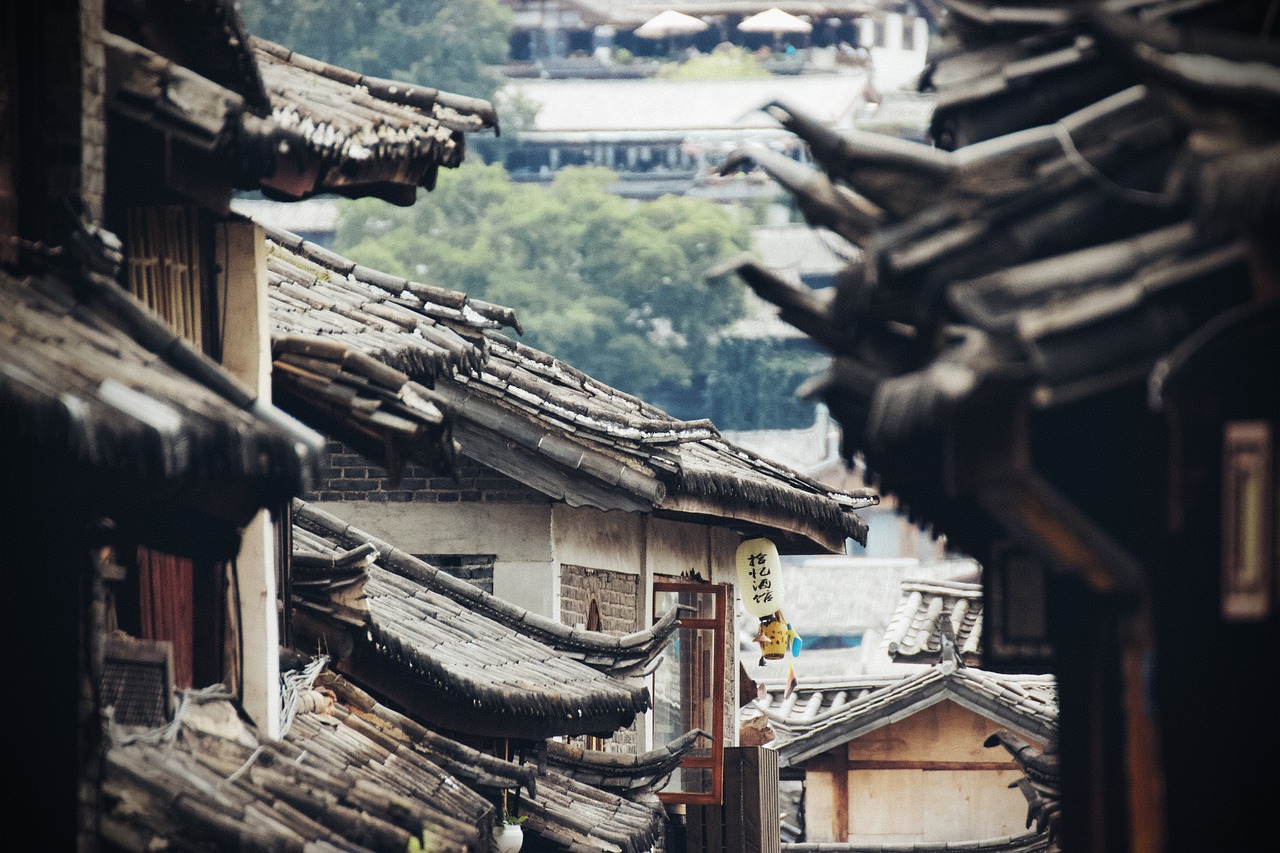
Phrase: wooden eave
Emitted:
{"points": [[97, 388]]}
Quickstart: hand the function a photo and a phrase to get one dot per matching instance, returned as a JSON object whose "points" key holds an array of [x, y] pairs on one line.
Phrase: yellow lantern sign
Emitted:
{"points": [[759, 577]]}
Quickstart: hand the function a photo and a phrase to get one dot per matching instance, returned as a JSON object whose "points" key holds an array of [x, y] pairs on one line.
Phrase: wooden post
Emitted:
{"points": [[748, 822], [246, 352], [840, 797]]}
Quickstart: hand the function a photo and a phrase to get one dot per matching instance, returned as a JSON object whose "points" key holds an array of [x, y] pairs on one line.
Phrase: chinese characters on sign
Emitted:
{"points": [[759, 577]]}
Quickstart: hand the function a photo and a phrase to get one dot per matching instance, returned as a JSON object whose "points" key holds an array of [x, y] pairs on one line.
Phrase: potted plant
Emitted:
{"points": [[508, 835]]}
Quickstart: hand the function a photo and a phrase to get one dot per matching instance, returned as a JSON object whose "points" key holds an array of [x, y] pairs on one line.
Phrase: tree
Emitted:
{"points": [[446, 44], [613, 287]]}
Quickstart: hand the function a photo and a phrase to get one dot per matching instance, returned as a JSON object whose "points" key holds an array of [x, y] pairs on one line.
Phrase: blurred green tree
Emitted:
{"points": [[612, 286], [448, 44]]}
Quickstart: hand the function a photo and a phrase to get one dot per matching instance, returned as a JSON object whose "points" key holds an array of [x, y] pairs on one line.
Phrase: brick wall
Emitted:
{"points": [[347, 476], [475, 569], [617, 595]]}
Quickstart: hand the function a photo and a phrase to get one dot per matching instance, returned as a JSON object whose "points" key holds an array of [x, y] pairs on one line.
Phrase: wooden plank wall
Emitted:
{"points": [[747, 821], [164, 266]]}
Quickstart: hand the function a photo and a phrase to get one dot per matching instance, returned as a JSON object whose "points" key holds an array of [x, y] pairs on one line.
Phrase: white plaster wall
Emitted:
{"points": [[525, 569], [677, 547], [533, 586], [511, 532], [585, 536]]}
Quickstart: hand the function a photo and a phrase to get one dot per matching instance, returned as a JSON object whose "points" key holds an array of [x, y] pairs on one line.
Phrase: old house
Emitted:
{"points": [[901, 756], [902, 760], [475, 669], [1057, 350], [153, 467], [897, 755], [571, 501]]}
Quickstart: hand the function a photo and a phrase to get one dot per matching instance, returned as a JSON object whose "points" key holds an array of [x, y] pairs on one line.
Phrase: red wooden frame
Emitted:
{"points": [[717, 624]]}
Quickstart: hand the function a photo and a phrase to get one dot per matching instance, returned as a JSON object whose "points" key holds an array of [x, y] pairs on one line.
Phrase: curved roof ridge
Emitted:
{"points": [[605, 652]]}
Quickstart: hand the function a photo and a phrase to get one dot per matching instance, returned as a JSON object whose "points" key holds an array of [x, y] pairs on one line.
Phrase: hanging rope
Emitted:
{"points": [[294, 683]]}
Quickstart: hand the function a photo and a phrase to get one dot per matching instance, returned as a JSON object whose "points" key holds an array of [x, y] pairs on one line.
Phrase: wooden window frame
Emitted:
{"points": [[1248, 559], [717, 625]]}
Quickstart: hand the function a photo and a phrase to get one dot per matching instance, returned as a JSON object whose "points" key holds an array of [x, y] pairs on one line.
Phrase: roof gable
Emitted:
{"points": [[835, 712]]}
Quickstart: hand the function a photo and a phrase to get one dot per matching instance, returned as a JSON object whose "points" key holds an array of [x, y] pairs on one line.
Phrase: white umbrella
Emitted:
{"points": [[670, 23], [774, 21]]}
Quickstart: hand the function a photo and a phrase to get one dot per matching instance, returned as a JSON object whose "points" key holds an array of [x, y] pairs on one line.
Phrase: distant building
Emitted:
{"points": [[670, 136], [548, 30]]}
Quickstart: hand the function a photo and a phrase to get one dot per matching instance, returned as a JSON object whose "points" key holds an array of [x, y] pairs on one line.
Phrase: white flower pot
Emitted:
{"points": [[507, 838]]}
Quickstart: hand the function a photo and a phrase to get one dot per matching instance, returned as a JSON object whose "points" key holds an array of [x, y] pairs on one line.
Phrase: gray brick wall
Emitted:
{"points": [[617, 595], [476, 569], [345, 475]]}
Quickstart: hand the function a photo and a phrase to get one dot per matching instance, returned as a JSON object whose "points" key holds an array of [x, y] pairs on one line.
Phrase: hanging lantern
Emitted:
{"points": [[759, 577]]}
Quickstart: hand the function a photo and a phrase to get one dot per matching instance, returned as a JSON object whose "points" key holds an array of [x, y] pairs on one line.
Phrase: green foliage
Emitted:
{"points": [[725, 61], [447, 44], [611, 286], [753, 383]]}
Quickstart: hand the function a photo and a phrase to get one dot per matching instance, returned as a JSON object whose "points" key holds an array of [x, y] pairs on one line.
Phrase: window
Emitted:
{"points": [[688, 688], [1247, 505]]}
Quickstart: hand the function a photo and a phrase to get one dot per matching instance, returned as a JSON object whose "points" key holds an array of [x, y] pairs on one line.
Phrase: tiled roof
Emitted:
{"points": [[349, 774], [477, 660], [327, 785], [92, 383], [563, 812], [479, 657], [365, 131], [1052, 247], [327, 130], [623, 772], [318, 532], [914, 634], [537, 419], [819, 715], [580, 818], [422, 330]]}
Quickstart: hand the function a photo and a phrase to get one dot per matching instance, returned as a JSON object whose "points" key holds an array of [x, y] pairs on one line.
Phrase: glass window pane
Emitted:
{"points": [[702, 605]]}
